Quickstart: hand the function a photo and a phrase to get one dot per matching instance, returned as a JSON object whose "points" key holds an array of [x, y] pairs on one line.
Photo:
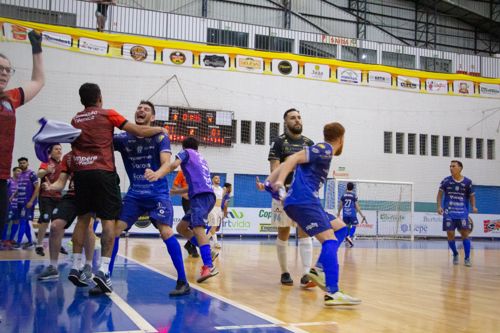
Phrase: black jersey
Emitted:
{"points": [[285, 146]]}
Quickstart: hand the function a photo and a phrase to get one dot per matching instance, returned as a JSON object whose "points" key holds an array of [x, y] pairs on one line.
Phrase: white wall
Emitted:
{"points": [[365, 112]]}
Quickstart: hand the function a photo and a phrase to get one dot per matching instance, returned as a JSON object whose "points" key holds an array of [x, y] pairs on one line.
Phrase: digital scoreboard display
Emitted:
{"points": [[210, 127]]}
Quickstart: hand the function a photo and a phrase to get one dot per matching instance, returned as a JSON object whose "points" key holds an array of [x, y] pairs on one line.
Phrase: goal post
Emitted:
{"points": [[387, 205]]}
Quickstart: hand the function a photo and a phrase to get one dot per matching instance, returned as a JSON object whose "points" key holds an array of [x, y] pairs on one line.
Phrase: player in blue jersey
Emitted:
{"points": [[457, 191], [350, 207], [303, 205], [146, 161], [202, 200]]}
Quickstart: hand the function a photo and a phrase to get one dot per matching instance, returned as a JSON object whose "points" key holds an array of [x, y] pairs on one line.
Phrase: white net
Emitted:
{"points": [[387, 206]]}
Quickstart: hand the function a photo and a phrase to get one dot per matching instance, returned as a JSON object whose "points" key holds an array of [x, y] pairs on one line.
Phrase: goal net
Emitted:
{"points": [[387, 206]]}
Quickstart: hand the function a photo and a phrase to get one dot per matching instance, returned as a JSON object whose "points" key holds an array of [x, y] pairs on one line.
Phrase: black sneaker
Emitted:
{"points": [[286, 279], [63, 250], [306, 282], [96, 291], [39, 251], [349, 241], [182, 288], [191, 248], [103, 281], [75, 276]]}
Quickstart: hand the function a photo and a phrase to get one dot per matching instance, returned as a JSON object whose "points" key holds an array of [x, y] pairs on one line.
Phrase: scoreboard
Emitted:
{"points": [[210, 127]]}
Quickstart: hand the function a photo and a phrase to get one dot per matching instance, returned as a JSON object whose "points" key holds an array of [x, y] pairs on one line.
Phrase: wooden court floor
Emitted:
{"points": [[403, 288]]}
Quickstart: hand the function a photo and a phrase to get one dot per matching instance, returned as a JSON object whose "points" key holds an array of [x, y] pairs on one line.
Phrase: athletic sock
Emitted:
{"points": [[330, 265], [22, 230], [282, 249], [453, 247], [105, 265], [206, 256], [352, 231], [77, 261], [174, 249], [305, 250], [466, 243], [28, 231], [341, 234], [13, 230], [194, 241]]}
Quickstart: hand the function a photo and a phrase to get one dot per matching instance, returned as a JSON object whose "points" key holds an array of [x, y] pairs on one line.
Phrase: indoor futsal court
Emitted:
{"points": [[405, 287]]}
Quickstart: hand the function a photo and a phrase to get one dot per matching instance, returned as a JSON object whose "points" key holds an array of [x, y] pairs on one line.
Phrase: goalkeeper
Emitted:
{"points": [[349, 206]]}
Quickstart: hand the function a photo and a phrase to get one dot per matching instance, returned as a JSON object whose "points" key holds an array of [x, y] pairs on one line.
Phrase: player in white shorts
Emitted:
{"points": [[216, 215]]}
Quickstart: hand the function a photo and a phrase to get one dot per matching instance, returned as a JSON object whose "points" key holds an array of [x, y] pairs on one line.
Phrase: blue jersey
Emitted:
{"points": [[310, 176], [225, 200], [349, 200], [456, 197], [138, 155], [26, 183], [196, 171]]}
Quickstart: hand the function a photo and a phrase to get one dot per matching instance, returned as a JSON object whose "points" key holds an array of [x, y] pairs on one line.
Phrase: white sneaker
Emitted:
{"points": [[339, 298]]}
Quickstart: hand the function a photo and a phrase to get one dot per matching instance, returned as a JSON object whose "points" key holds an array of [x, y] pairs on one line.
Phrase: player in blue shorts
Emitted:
{"points": [[350, 207], [202, 200], [146, 161], [302, 204], [457, 191]]}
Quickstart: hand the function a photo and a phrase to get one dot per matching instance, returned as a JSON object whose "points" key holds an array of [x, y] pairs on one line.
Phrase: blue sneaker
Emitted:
{"points": [[77, 278], [103, 281]]}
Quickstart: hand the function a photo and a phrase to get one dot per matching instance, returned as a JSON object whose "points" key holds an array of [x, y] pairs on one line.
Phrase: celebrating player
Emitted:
{"points": [[457, 191]]}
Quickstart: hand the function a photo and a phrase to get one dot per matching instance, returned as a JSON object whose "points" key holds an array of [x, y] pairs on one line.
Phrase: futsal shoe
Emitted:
{"points": [[191, 248], [50, 273], [306, 282], [455, 259], [63, 250], [28, 246], [349, 241], [286, 279], [207, 273], [182, 288], [96, 291], [103, 281], [339, 298], [214, 255], [77, 278], [318, 276], [467, 262], [39, 251]]}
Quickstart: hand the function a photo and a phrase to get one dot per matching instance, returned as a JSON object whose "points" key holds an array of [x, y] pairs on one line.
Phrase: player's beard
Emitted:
{"points": [[295, 130]]}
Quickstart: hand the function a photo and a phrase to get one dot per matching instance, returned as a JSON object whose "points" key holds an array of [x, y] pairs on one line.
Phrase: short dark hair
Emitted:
{"points": [[190, 143], [350, 186], [459, 163], [15, 168], [228, 185], [22, 159], [52, 147], [288, 111], [151, 105], [90, 93], [333, 131]]}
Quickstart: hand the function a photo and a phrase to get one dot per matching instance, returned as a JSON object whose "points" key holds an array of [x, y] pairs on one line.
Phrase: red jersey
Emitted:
{"points": [[67, 167], [93, 150], [8, 106], [51, 178]]}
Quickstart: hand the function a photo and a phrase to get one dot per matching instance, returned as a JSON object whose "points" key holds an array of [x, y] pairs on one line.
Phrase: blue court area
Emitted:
{"points": [[140, 303]]}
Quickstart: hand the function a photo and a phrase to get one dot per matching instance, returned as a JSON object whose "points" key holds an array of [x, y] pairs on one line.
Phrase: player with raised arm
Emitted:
{"points": [[202, 200], [303, 205], [350, 207], [146, 162], [457, 192]]}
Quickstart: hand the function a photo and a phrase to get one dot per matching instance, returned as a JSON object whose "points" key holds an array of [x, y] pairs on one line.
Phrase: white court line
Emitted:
{"points": [[244, 327], [136, 318], [226, 300]]}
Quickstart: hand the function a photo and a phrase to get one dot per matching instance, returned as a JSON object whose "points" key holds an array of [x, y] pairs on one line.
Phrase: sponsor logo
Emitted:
{"points": [[61, 40], [265, 213], [316, 71], [267, 228], [19, 33], [339, 40], [349, 76], [437, 86], [143, 222], [138, 53], [235, 215], [177, 57], [285, 67], [6, 106], [491, 226], [84, 160], [214, 61], [432, 218], [391, 217], [485, 89], [94, 46], [250, 63], [311, 226], [408, 84], [420, 229]]}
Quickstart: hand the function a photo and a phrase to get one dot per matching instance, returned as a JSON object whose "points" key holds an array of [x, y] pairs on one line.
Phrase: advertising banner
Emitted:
{"points": [[408, 83], [177, 57], [348, 75], [489, 90], [138, 52], [463, 87], [379, 79], [249, 64], [436, 86], [285, 67], [214, 61], [315, 71]]}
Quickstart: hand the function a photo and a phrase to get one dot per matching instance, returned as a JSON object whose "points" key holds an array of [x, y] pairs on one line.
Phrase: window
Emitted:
{"points": [[234, 133], [457, 146], [491, 149], [435, 65], [398, 60], [468, 147], [388, 142], [480, 148], [366, 56], [271, 43], [400, 144], [246, 131], [435, 145], [260, 132], [446, 146], [274, 131], [411, 144], [318, 49], [226, 37], [423, 144]]}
